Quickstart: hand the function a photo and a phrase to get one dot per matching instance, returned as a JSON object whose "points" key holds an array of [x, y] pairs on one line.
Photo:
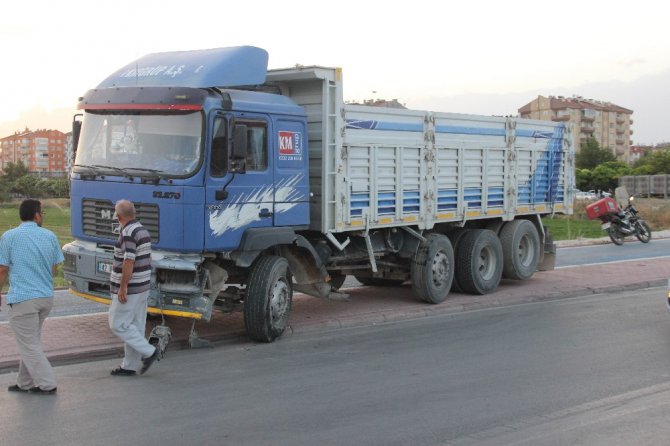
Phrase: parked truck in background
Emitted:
{"points": [[256, 183]]}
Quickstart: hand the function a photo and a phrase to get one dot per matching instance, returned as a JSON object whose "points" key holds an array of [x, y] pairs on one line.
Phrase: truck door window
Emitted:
{"points": [[219, 163], [257, 152]]}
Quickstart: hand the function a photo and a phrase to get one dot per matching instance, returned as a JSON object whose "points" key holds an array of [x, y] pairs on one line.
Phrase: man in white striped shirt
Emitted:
{"points": [[130, 281]]}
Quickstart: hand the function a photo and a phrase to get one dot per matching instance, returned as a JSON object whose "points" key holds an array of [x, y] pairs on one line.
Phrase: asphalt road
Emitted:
{"points": [[590, 370], [609, 252]]}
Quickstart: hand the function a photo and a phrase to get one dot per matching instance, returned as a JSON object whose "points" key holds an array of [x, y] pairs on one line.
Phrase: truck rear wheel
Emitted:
{"points": [[455, 237], [521, 249], [480, 260], [268, 300], [433, 269]]}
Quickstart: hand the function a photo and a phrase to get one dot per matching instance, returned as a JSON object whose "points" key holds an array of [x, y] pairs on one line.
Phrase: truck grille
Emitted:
{"points": [[98, 220]]}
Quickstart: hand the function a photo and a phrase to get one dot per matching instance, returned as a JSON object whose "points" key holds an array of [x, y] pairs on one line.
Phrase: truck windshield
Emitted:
{"points": [[169, 144]]}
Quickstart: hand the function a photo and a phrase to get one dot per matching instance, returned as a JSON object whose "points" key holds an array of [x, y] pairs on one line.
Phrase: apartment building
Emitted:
{"points": [[608, 123], [42, 151]]}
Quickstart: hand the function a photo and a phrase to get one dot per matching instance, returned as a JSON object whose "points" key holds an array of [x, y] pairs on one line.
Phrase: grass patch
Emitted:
{"points": [[655, 211]]}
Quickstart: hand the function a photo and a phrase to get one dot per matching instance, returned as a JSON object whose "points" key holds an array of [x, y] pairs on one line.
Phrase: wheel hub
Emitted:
{"points": [[279, 300], [440, 269]]}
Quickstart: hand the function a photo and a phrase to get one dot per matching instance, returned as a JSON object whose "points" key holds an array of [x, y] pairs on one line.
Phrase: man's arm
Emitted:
{"points": [[3, 277], [126, 274]]}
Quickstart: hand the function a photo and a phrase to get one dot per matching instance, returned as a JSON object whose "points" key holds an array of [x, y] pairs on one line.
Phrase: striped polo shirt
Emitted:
{"points": [[134, 243]]}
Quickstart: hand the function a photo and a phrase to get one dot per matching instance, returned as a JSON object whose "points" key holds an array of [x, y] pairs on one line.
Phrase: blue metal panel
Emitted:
{"points": [[447, 199], [496, 197], [355, 124], [288, 146], [359, 201], [411, 201], [217, 67], [386, 203], [545, 185], [179, 215], [465, 130]]}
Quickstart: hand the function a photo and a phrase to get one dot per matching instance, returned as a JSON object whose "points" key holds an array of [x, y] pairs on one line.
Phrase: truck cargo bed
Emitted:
{"points": [[373, 167]]}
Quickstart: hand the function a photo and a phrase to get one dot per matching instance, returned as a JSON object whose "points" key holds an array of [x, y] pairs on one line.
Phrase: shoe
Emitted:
{"points": [[146, 362], [39, 391], [122, 372], [16, 388]]}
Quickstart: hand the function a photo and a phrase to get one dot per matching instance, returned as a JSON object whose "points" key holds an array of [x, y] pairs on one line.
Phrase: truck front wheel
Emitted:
{"points": [[268, 299], [433, 269]]}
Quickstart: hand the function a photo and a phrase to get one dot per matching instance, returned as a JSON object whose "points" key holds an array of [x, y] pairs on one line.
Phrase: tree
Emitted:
{"points": [[606, 175], [15, 171], [584, 179], [591, 155], [657, 162], [60, 187], [27, 186]]}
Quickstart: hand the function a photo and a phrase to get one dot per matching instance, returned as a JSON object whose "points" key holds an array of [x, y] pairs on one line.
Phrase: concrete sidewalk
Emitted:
{"points": [[85, 337]]}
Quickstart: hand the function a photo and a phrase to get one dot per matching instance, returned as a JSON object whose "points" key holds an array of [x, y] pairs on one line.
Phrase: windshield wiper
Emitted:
{"points": [[115, 169], [154, 174], [94, 170]]}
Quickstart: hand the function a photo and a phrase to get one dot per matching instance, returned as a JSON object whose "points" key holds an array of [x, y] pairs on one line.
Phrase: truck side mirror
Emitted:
{"points": [[239, 147], [76, 131]]}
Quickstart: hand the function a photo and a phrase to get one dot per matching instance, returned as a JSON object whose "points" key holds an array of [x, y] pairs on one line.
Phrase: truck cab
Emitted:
{"points": [[203, 165]]}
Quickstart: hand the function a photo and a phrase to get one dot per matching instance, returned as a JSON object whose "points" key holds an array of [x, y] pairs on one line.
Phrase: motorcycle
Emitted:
{"points": [[625, 222]]}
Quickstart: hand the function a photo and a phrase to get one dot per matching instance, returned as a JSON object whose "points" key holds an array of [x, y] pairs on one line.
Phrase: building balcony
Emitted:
{"points": [[586, 129], [620, 151], [619, 131], [620, 119], [561, 118], [588, 118], [620, 141]]}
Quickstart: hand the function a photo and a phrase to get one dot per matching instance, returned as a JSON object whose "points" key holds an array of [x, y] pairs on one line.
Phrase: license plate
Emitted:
{"points": [[606, 225], [104, 267]]}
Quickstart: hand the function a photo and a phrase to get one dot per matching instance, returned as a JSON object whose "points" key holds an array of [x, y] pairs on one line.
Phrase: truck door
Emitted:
{"points": [[291, 203], [237, 201]]}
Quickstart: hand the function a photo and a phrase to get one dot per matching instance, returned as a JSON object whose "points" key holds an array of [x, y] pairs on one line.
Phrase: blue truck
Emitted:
{"points": [[256, 183]]}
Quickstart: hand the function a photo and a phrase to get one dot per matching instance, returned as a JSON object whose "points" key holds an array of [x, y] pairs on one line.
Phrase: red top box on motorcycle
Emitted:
{"points": [[601, 207]]}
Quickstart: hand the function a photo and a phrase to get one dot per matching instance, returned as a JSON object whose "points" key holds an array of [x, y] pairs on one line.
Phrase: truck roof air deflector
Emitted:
{"points": [[217, 67]]}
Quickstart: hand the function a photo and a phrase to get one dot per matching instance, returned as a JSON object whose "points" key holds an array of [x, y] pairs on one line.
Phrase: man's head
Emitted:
{"points": [[31, 210], [125, 211]]}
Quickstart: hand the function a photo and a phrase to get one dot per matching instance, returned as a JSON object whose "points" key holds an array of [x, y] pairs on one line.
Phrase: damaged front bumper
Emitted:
{"points": [[178, 281]]}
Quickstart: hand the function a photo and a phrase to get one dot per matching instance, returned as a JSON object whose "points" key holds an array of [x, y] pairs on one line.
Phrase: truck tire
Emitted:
{"points": [[268, 300], [432, 270], [378, 281], [480, 262], [521, 249], [455, 237]]}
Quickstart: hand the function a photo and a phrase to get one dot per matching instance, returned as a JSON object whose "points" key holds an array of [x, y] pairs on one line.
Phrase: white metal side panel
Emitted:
{"points": [[473, 168], [379, 167], [384, 172], [319, 91]]}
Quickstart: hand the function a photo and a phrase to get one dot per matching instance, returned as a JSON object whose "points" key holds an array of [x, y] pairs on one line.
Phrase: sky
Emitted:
{"points": [[476, 56]]}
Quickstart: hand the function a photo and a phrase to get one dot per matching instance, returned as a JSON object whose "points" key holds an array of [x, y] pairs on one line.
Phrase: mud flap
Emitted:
{"points": [[548, 261]]}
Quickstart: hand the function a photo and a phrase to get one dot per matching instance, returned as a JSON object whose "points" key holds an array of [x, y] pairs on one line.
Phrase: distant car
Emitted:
{"points": [[581, 195]]}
